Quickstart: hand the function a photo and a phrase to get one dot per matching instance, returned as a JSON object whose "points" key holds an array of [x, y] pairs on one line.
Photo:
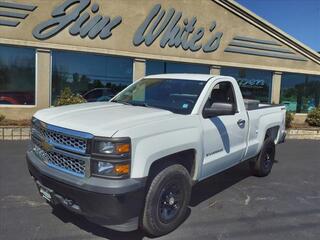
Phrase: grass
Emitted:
{"points": [[302, 126], [17, 123]]}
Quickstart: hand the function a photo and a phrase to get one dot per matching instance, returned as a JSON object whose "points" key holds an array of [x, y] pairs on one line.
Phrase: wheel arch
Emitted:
{"points": [[186, 158], [272, 132]]}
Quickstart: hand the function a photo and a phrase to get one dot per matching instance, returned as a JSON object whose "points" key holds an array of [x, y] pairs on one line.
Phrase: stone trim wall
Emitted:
{"points": [[15, 133], [304, 134], [24, 133]]}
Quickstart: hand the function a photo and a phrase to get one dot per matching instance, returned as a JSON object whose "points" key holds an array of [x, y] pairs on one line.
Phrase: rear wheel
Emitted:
{"points": [[167, 200], [262, 165]]}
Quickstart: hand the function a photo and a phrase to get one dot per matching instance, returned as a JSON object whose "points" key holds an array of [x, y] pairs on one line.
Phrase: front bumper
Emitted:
{"points": [[116, 204]]}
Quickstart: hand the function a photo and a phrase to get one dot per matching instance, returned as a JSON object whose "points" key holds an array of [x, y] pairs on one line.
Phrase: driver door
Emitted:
{"points": [[224, 137]]}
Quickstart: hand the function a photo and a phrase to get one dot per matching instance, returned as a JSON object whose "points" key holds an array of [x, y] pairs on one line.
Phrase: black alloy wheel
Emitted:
{"points": [[167, 200]]}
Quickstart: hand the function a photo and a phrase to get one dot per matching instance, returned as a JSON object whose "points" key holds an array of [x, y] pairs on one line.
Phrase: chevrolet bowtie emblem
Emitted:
{"points": [[46, 146]]}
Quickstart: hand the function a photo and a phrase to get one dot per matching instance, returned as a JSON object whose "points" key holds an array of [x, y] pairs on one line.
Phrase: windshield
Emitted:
{"points": [[176, 95]]}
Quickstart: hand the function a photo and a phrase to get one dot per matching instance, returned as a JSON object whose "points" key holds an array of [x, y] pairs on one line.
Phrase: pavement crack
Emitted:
{"points": [[212, 204], [20, 201], [244, 194], [265, 198], [247, 201], [313, 197]]}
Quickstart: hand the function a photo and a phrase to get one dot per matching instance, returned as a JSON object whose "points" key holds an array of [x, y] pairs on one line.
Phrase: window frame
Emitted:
{"points": [[35, 80], [165, 64], [289, 77], [236, 108], [247, 70], [67, 51]]}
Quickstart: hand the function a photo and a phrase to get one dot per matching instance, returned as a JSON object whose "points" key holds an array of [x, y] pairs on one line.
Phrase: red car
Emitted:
{"points": [[17, 98]]}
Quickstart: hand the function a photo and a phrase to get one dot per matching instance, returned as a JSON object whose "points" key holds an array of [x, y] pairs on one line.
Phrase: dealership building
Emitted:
{"points": [[101, 46]]}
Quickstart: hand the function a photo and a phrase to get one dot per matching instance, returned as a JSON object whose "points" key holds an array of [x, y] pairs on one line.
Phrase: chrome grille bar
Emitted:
{"points": [[62, 149], [63, 163], [61, 138]]}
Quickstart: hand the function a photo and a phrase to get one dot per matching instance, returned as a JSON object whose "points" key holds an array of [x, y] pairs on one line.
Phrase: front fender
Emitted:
{"points": [[149, 149]]}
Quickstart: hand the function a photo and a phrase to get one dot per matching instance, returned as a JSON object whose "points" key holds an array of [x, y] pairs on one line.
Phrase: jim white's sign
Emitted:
{"points": [[166, 27], [162, 24], [159, 23]]}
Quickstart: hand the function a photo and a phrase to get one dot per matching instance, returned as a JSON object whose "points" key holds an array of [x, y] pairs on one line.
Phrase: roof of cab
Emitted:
{"points": [[183, 76]]}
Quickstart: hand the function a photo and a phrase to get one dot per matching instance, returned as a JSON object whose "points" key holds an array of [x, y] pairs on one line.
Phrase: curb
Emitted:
{"points": [[312, 134], [24, 133]]}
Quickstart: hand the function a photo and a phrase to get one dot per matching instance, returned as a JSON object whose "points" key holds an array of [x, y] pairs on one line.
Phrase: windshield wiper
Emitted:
{"points": [[121, 102], [140, 104]]}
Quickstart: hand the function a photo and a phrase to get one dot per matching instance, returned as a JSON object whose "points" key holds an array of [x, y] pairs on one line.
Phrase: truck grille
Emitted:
{"points": [[63, 140], [61, 162], [62, 149]]}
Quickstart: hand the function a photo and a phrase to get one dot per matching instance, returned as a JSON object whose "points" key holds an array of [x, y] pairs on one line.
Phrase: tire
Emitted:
{"points": [[167, 200], [262, 165]]}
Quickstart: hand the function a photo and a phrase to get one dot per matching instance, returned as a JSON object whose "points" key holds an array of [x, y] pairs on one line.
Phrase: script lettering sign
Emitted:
{"points": [[160, 23], [83, 19], [79, 19]]}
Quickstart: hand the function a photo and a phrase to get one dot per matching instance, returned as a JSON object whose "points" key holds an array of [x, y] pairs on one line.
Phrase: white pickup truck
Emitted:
{"points": [[131, 162]]}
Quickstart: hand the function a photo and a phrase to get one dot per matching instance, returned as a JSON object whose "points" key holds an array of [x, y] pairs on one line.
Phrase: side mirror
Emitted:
{"points": [[218, 109]]}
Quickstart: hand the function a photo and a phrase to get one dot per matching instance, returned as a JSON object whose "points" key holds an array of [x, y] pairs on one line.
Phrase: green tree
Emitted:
{"points": [[67, 97]]}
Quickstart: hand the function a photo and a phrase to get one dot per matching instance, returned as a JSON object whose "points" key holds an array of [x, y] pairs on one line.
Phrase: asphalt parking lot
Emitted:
{"points": [[231, 205]]}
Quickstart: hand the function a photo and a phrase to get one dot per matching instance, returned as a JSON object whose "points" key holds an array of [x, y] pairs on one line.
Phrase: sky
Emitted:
{"points": [[298, 18]]}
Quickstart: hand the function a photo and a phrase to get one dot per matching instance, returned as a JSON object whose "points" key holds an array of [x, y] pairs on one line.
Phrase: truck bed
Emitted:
{"points": [[255, 104], [262, 117]]}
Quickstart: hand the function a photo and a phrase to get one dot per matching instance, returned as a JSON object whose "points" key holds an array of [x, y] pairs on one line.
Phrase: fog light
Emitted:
{"points": [[105, 167], [122, 169]]}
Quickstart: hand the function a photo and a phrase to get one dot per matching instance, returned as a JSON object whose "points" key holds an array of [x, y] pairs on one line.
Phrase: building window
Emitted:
{"points": [[254, 84], [95, 77], [17, 76], [159, 67], [300, 93]]}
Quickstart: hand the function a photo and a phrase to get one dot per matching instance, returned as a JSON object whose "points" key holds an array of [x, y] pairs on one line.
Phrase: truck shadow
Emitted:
{"points": [[99, 231], [217, 183], [200, 192], [84, 224]]}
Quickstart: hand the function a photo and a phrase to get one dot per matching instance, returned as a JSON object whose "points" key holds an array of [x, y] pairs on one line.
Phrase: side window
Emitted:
{"points": [[222, 93]]}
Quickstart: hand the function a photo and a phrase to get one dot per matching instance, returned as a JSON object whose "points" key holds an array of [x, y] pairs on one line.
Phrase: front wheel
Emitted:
{"points": [[167, 200], [262, 165]]}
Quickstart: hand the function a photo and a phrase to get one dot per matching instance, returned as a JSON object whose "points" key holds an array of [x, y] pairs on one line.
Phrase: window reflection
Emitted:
{"points": [[176, 95], [254, 84], [300, 93], [95, 77], [159, 67], [17, 76]]}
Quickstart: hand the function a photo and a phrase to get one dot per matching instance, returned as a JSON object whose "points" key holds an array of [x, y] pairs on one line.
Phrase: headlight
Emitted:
{"points": [[110, 157], [111, 148], [107, 169], [105, 147], [104, 167]]}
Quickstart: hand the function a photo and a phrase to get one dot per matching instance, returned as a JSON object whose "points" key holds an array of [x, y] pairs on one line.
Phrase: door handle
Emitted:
{"points": [[241, 123]]}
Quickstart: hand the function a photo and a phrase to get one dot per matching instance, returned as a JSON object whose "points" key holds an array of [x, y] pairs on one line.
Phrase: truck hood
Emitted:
{"points": [[102, 118]]}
